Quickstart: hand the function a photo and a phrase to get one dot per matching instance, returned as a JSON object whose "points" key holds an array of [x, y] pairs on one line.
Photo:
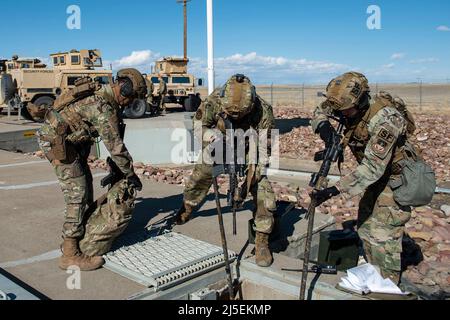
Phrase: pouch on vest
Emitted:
{"points": [[84, 87], [416, 184]]}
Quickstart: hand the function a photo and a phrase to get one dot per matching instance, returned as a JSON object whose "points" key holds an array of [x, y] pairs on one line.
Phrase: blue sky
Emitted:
{"points": [[284, 41]]}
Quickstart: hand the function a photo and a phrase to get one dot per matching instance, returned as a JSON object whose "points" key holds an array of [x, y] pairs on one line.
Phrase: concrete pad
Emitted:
{"points": [[30, 232], [18, 136]]}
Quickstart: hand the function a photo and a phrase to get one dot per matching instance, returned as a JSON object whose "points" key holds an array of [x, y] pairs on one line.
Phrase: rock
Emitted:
{"points": [[139, 172], [138, 165], [39, 154], [446, 209], [421, 235], [427, 222], [442, 232], [168, 173], [424, 268]]}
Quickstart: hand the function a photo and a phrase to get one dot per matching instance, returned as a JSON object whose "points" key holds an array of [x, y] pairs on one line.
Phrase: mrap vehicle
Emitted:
{"points": [[28, 85]]}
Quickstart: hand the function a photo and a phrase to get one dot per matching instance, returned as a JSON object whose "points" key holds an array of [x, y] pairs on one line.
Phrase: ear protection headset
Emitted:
{"points": [[126, 87]]}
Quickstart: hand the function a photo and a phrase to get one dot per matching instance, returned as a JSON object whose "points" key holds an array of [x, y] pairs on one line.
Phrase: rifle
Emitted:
{"points": [[319, 181], [115, 174], [234, 169]]}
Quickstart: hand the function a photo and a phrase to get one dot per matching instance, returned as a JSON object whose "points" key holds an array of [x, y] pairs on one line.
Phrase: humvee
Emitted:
{"points": [[181, 86], [36, 87]]}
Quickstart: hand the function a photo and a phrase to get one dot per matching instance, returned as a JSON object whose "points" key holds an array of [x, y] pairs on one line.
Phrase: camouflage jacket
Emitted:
{"points": [[97, 116], [150, 88], [376, 139], [261, 118], [162, 90]]}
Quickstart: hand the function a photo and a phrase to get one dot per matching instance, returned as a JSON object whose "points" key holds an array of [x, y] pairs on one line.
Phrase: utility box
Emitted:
{"points": [[339, 248]]}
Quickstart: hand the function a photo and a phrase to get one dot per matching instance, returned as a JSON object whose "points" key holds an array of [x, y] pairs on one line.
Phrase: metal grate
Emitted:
{"points": [[164, 261]]}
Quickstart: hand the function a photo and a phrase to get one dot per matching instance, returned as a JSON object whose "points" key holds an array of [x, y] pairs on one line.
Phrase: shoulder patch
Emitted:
{"points": [[199, 114], [382, 143]]}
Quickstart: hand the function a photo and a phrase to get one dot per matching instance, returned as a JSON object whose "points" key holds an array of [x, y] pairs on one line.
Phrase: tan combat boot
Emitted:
{"points": [[72, 256], [263, 255], [184, 214]]}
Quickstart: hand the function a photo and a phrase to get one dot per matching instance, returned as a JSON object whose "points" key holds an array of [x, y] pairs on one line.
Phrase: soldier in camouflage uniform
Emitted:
{"points": [[377, 131], [162, 92], [240, 103], [79, 116], [149, 97]]}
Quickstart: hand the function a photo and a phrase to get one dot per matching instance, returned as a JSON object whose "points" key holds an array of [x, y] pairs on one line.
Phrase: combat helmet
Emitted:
{"points": [[139, 88], [347, 90], [238, 96]]}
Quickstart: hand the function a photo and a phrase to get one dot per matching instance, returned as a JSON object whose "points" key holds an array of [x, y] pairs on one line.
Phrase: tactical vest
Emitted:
{"points": [[80, 131], [357, 137]]}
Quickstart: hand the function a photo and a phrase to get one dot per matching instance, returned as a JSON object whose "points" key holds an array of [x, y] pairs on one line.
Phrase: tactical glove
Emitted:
{"points": [[135, 182], [326, 132], [325, 195]]}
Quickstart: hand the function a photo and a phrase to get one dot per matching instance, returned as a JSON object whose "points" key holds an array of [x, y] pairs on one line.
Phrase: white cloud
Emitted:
{"points": [[425, 60], [388, 66], [443, 28], [267, 69], [137, 59], [398, 56]]}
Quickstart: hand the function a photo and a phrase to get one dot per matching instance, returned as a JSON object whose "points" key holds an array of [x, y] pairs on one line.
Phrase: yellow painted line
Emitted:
{"points": [[29, 134]]}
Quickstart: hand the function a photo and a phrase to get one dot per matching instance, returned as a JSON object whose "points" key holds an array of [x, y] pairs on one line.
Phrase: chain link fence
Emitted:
{"points": [[419, 96]]}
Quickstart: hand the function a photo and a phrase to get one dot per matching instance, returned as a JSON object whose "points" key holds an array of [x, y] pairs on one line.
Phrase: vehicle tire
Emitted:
{"points": [[136, 110], [7, 88], [46, 102], [189, 104], [38, 109]]}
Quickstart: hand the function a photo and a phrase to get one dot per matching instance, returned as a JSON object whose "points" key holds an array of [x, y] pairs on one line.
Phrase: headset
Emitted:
{"points": [[126, 87]]}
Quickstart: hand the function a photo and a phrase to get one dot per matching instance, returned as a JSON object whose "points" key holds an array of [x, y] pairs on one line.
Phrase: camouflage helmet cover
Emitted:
{"points": [[139, 85], [346, 91], [238, 96]]}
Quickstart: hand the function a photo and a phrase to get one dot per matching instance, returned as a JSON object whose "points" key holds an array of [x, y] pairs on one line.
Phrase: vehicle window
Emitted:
{"points": [[71, 80], [156, 80], [55, 61], [98, 63], [75, 59], [87, 62], [25, 66], [102, 80], [181, 80], [62, 60]]}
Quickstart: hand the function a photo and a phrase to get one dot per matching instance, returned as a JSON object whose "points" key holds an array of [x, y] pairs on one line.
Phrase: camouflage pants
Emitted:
{"points": [[98, 224], [75, 179], [162, 105], [199, 184], [381, 225], [111, 216]]}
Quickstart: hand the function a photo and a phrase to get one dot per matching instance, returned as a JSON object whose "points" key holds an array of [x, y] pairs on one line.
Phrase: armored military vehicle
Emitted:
{"points": [[181, 85], [36, 87]]}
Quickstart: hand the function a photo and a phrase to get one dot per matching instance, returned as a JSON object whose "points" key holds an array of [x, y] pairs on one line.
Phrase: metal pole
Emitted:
{"points": [[224, 240], [210, 23], [185, 29], [420, 94], [271, 94], [303, 95]]}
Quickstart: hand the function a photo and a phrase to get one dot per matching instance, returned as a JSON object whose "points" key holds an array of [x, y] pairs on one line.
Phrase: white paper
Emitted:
{"points": [[366, 279]]}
